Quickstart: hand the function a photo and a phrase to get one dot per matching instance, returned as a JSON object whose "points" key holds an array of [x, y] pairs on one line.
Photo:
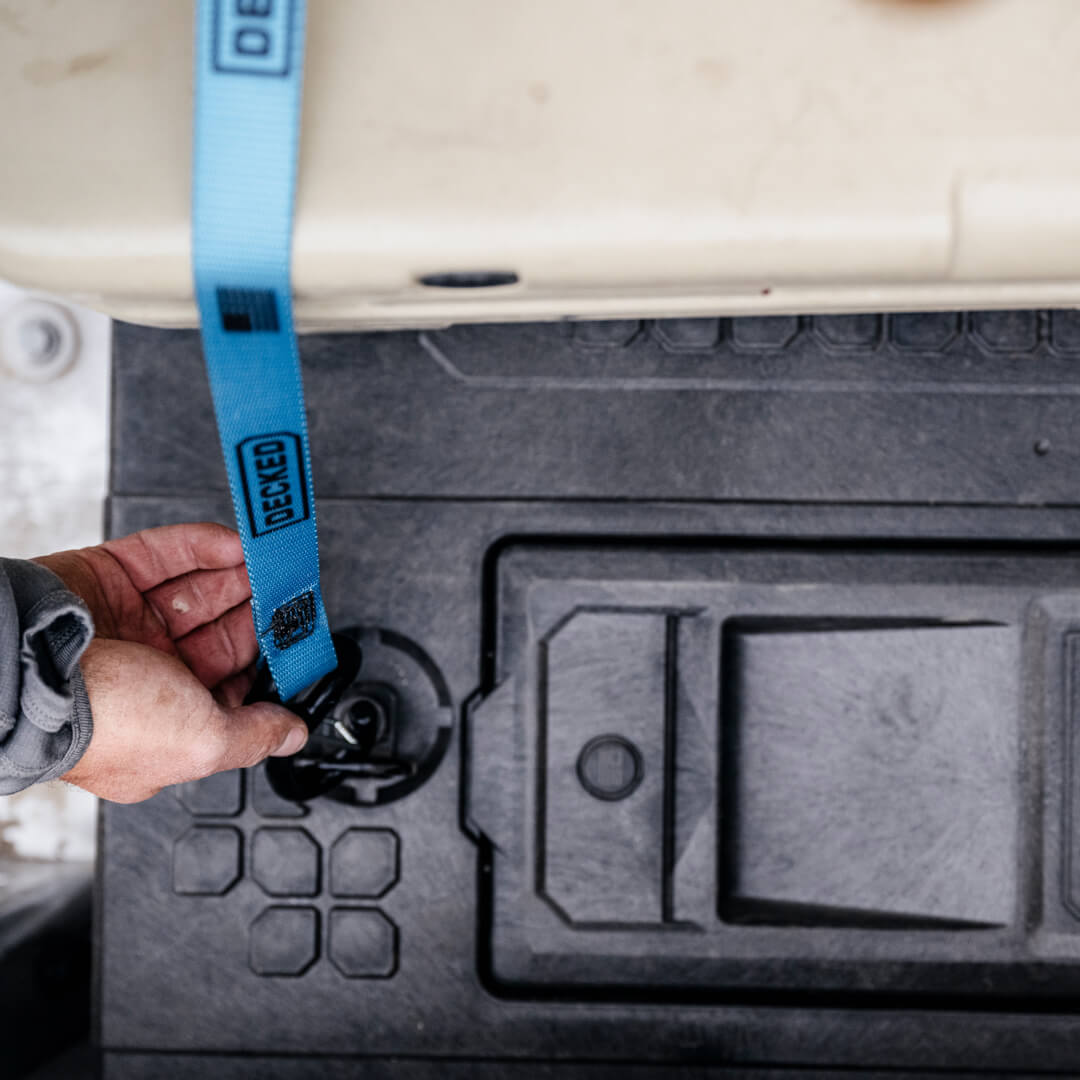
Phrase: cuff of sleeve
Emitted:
{"points": [[82, 727], [53, 724]]}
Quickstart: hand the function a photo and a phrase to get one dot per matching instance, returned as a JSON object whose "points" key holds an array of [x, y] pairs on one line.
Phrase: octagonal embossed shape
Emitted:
{"points": [[364, 863], [284, 941], [1006, 331], [363, 943], [862, 331], [219, 795], [758, 332], [606, 334], [1065, 331], [207, 860], [688, 335], [265, 801], [929, 331], [285, 861]]}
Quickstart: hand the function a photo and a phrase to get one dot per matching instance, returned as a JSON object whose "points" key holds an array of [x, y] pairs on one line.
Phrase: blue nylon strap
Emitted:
{"points": [[249, 73]]}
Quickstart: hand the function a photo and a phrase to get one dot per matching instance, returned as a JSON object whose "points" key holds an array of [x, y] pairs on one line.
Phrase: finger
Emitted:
{"points": [[222, 648], [156, 555], [250, 733], [185, 603], [232, 691]]}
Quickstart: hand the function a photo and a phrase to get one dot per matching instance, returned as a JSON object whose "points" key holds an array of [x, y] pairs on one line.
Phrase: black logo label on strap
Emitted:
{"points": [[247, 311], [272, 473], [294, 620], [253, 37]]}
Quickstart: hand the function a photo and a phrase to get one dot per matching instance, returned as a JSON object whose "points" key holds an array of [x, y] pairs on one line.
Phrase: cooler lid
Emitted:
{"points": [[502, 159]]}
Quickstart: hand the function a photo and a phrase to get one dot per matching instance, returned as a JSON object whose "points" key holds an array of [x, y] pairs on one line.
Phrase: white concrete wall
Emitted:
{"points": [[53, 458]]}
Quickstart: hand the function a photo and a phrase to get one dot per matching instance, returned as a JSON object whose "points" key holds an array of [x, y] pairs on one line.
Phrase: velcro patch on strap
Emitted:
{"points": [[293, 621]]}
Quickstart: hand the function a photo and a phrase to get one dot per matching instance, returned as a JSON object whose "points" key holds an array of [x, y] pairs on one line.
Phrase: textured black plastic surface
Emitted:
{"points": [[757, 640]]}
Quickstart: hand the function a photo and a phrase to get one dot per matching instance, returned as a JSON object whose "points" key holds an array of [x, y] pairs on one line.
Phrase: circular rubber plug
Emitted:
{"points": [[38, 341]]}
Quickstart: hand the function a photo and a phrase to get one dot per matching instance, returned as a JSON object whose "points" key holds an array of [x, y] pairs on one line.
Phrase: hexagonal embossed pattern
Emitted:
{"points": [[1065, 331], [364, 863], [765, 332], [610, 334], [285, 862], [284, 941], [849, 331], [363, 943], [926, 331], [266, 801], [220, 795], [1006, 331], [207, 860], [688, 335]]}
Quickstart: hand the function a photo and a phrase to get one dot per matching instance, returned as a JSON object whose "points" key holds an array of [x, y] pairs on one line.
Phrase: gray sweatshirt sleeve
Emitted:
{"points": [[45, 721]]}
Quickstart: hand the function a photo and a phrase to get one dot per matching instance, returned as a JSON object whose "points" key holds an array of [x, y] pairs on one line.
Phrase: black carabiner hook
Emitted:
{"points": [[338, 749], [295, 778]]}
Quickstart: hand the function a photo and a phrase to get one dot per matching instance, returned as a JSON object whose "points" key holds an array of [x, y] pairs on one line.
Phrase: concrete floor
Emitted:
{"points": [[53, 460]]}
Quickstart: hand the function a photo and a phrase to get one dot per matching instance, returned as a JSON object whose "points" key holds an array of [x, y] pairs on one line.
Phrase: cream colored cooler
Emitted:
{"points": [[468, 160]]}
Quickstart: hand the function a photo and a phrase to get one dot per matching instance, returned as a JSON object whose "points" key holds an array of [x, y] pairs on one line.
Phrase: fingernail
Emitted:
{"points": [[292, 742]]}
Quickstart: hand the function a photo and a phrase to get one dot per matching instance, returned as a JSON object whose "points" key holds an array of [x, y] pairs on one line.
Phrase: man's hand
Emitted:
{"points": [[170, 663]]}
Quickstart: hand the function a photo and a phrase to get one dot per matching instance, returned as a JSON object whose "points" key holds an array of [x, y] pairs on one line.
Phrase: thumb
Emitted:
{"points": [[254, 732]]}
